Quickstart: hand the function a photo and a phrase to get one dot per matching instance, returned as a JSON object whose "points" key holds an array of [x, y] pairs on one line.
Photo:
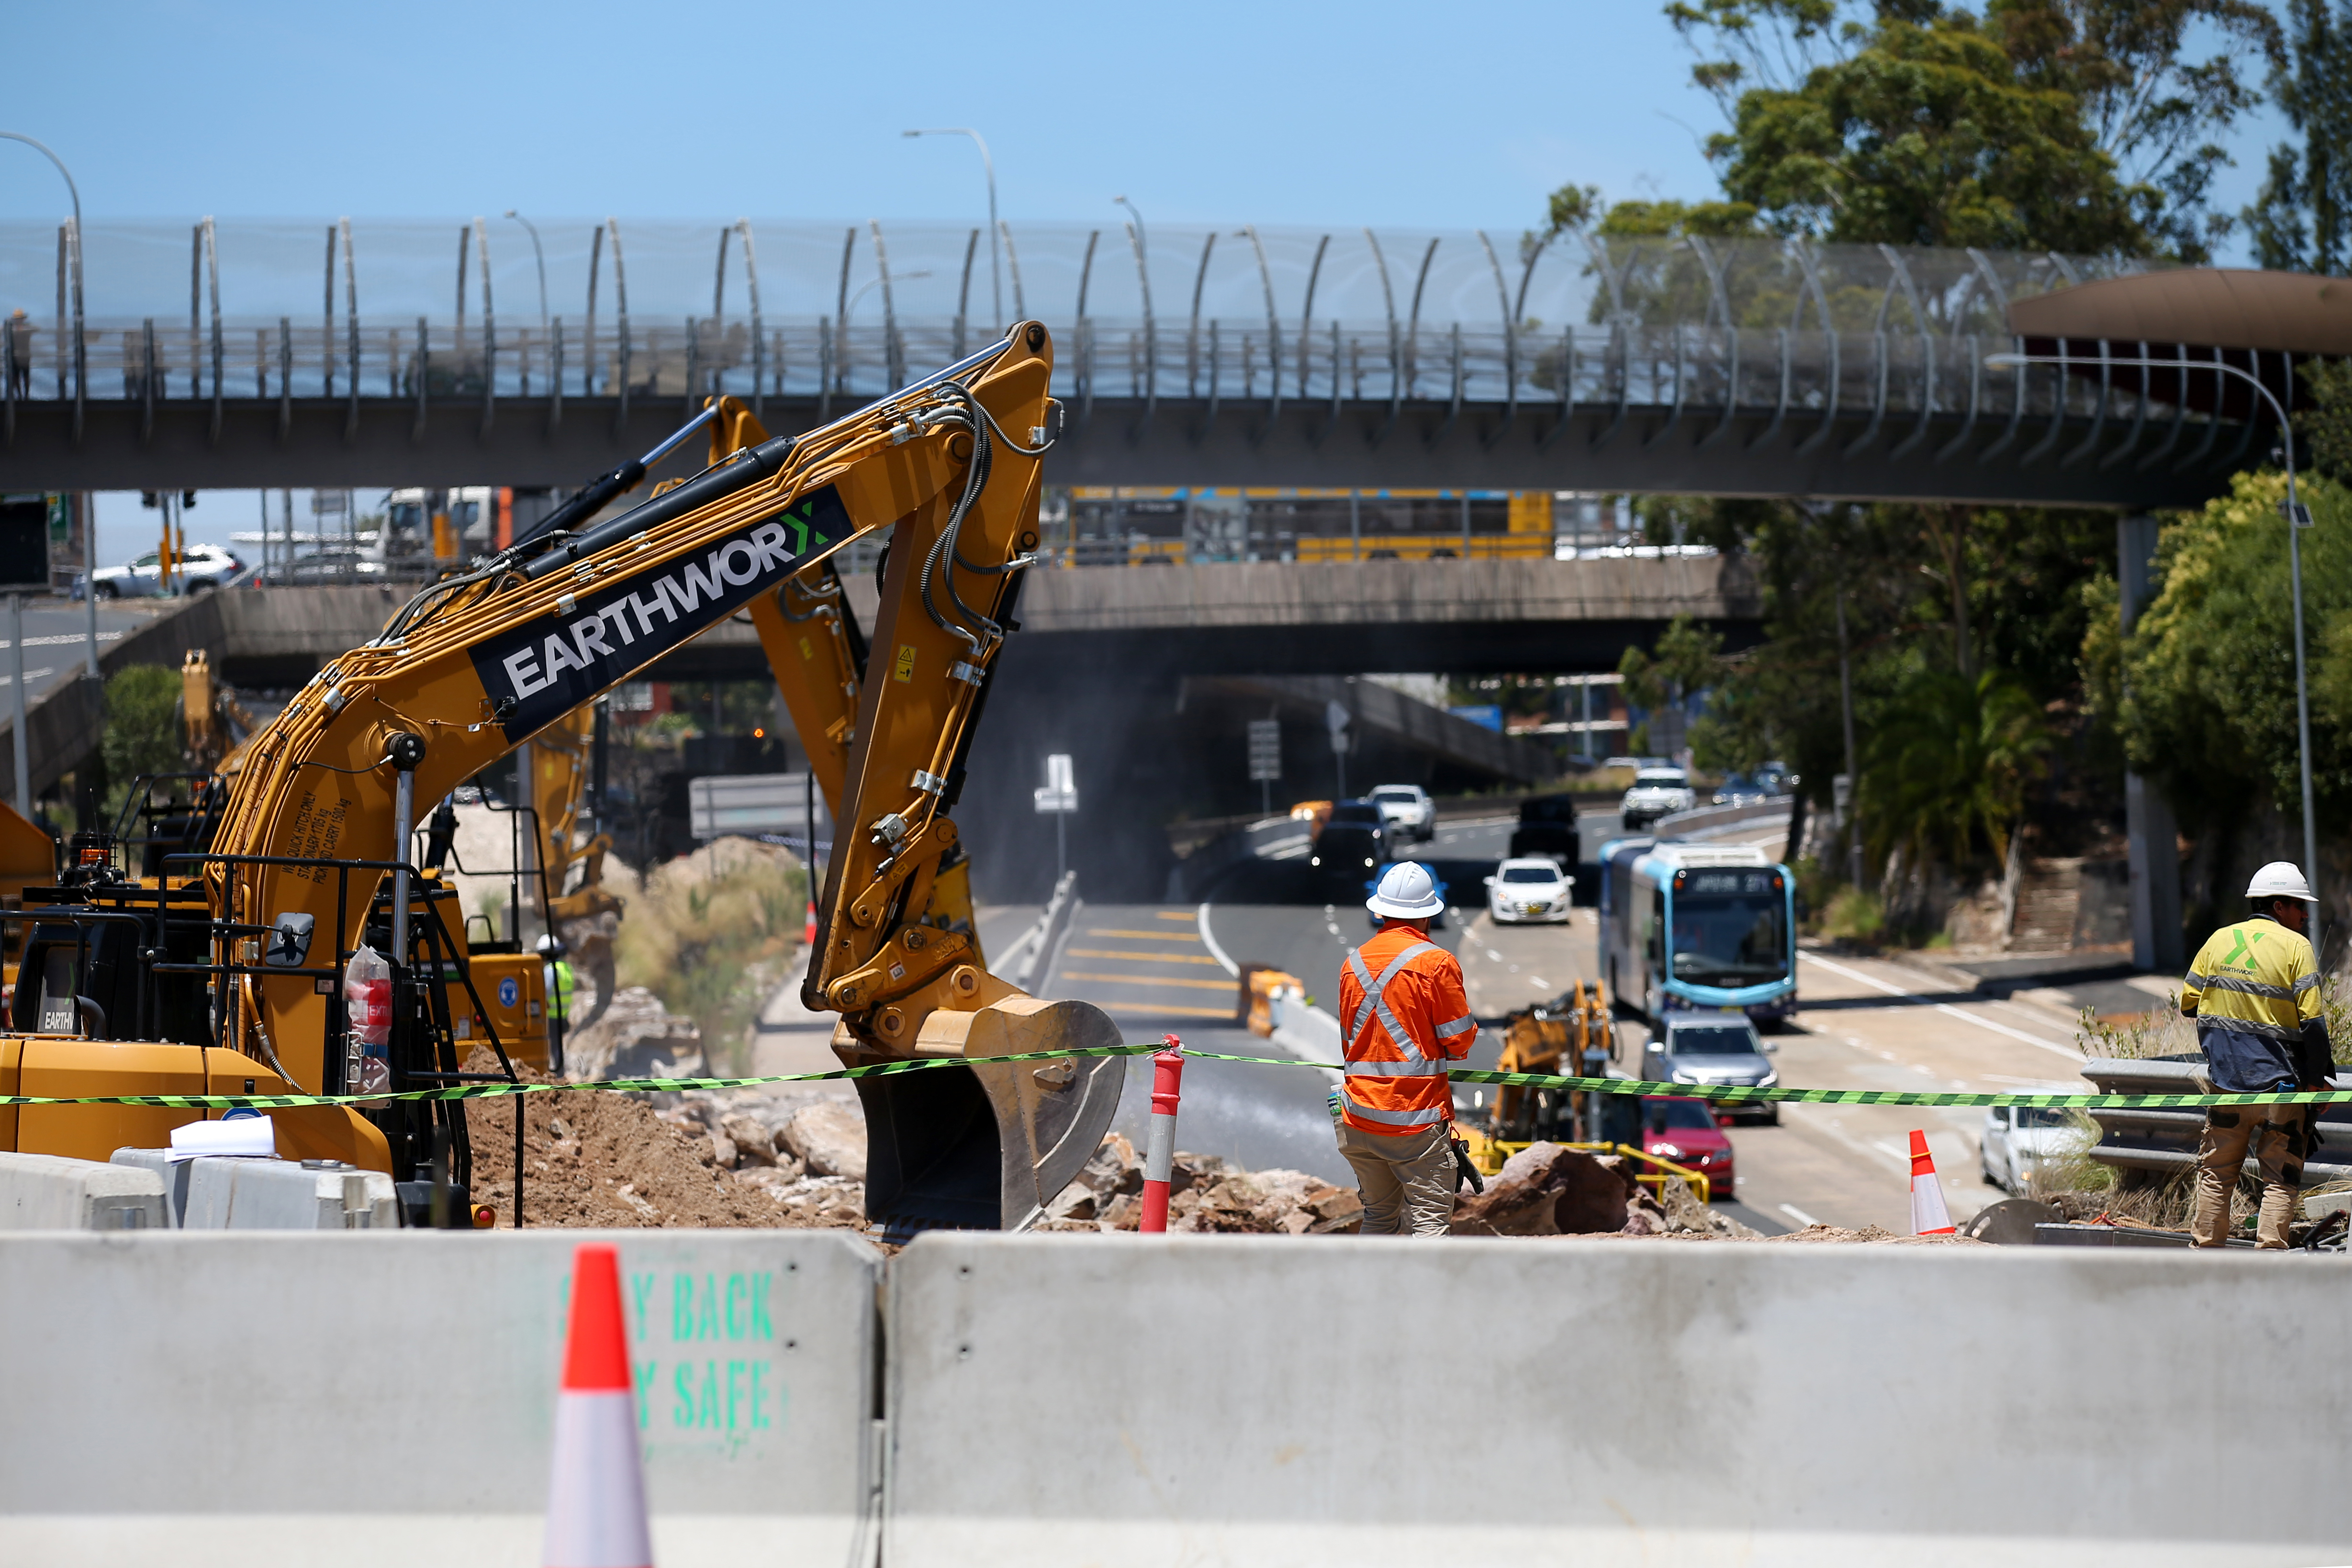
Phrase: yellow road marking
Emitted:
{"points": [[1185, 915], [1145, 957], [1147, 935], [1224, 985]]}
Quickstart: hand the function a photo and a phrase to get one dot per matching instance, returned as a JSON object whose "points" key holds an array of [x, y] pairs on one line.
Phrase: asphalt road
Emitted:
{"points": [[55, 634], [1864, 1024]]}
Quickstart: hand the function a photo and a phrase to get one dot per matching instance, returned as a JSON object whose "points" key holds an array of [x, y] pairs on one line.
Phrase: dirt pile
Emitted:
{"points": [[604, 1159], [1546, 1189]]}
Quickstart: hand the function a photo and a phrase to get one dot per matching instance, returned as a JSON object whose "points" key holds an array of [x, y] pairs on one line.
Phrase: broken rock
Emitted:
{"points": [[829, 1138], [1547, 1190]]}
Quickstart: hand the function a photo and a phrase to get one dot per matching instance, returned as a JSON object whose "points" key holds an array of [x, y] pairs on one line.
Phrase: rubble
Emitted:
{"points": [[634, 1036]]}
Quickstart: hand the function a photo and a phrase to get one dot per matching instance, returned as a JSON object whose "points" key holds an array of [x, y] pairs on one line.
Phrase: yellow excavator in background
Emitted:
{"points": [[229, 972]]}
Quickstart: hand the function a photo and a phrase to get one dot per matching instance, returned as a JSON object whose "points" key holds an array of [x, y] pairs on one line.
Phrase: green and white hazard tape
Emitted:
{"points": [[1721, 1094]]}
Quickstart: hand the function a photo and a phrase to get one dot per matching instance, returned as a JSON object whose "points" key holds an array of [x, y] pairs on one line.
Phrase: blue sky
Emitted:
{"points": [[1463, 115]]}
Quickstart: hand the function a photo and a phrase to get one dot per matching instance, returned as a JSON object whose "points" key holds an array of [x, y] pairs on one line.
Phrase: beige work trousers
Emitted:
{"points": [[1407, 1183], [2275, 1134]]}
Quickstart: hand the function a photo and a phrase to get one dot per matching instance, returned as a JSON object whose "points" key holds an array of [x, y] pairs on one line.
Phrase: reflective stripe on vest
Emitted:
{"points": [[1396, 1118], [1374, 1004], [1418, 1068]]}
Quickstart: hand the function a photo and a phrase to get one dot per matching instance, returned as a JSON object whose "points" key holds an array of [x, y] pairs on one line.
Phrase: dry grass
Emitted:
{"points": [[712, 933]]}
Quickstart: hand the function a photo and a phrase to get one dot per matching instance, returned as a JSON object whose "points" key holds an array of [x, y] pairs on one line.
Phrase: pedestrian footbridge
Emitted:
{"points": [[353, 352]]}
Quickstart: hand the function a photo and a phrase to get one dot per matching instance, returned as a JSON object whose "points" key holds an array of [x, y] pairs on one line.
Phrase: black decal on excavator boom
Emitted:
{"points": [[541, 670]]}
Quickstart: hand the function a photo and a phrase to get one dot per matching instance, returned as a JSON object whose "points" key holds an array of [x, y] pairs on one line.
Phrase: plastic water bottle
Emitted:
{"points": [[1332, 1099]]}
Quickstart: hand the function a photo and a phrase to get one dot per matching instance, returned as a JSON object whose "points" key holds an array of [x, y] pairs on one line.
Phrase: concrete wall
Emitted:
{"points": [[1242, 1401], [49, 1192], [368, 1399]]}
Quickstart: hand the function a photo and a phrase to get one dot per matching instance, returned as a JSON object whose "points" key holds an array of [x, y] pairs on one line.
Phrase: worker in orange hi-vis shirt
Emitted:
{"points": [[1404, 1016]]}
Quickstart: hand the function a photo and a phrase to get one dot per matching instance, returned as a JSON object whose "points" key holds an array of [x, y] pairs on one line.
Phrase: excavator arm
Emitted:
{"points": [[480, 663]]}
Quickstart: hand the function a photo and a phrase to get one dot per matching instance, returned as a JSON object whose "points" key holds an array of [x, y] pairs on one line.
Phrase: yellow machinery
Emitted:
{"points": [[221, 971], [1538, 1040]]}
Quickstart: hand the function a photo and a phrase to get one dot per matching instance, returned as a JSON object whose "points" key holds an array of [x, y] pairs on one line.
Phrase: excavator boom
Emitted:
{"points": [[481, 663]]}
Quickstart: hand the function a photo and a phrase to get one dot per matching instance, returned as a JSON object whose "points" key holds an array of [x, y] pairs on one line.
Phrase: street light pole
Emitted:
{"points": [[82, 504], [2294, 568], [995, 286]]}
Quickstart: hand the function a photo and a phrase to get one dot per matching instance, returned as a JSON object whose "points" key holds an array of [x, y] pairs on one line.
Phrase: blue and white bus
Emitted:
{"points": [[1698, 926]]}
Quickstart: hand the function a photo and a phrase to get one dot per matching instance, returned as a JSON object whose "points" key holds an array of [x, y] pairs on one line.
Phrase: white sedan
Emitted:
{"points": [[206, 566], [1530, 889]]}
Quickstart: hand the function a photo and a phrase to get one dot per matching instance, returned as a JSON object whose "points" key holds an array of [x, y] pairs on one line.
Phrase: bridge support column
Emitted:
{"points": [[2153, 834]]}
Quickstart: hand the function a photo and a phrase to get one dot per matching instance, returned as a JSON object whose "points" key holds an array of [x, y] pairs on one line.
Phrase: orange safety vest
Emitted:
{"points": [[1405, 1015]]}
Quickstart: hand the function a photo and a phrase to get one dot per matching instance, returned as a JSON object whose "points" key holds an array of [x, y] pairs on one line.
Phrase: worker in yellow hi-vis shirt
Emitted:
{"points": [[2254, 989]]}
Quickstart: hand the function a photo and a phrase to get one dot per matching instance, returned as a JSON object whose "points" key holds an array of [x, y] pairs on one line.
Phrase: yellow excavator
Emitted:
{"points": [[228, 971]]}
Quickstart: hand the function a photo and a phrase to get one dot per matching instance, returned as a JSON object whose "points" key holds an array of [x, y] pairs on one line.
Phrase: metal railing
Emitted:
{"points": [[1737, 343]]}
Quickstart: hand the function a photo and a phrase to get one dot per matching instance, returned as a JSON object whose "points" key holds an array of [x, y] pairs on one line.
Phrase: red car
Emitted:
{"points": [[1685, 1132]]}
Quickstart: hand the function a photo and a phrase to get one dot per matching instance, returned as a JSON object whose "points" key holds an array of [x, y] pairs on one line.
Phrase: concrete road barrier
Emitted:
{"points": [[210, 1400], [49, 1192], [1375, 1402], [215, 1192]]}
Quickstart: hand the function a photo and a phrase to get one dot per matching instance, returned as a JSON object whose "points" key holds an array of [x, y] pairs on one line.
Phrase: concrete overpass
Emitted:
{"points": [[1346, 359]]}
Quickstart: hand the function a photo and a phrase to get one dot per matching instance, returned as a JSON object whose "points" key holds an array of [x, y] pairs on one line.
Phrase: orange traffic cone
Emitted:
{"points": [[808, 931], [596, 1503], [1928, 1214]]}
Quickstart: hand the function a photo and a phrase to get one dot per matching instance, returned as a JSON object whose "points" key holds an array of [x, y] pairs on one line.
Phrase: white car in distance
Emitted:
{"points": [[205, 566], [1532, 887], [1407, 811], [1656, 793], [2019, 1141]]}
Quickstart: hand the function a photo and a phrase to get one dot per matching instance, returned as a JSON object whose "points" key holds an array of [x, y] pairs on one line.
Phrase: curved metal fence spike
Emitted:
{"points": [[1927, 351], [840, 383], [1150, 337], [759, 327], [621, 311], [1510, 344], [1567, 390], [2212, 425], [1013, 267], [489, 328], [1673, 411], [963, 292], [2099, 413], [1835, 392], [1307, 314], [1086, 346], [2064, 373], [588, 359], [2139, 416], [1272, 333], [1192, 333], [1413, 326], [212, 287], [351, 329], [2255, 408], [894, 365], [1621, 340], [1396, 341], [1781, 408], [1719, 311], [2180, 412]]}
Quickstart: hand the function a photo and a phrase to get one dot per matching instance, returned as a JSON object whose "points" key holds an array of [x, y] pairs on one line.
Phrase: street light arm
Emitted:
{"points": [[988, 166]]}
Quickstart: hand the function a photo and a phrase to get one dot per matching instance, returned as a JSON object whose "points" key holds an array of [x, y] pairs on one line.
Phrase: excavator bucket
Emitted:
{"points": [[988, 1146]]}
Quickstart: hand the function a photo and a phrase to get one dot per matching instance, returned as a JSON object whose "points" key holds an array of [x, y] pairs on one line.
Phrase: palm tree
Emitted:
{"points": [[1950, 765]]}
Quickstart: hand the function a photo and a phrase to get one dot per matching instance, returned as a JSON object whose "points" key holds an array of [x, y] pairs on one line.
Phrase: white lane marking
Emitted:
{"points": [[1890, 1151], [1541, 981], [1946, 1008], [1275, 847], [30, 675], [1799, 1216], [1493, 954], [1209, 941]]}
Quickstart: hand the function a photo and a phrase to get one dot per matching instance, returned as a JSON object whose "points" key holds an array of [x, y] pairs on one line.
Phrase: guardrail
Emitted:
{"points": [[2164, 1142]]}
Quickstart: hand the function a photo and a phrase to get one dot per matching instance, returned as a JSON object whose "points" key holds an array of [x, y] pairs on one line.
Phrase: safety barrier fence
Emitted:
{"points": [[1720, 1094], [982, 1400], [1793, 340]]}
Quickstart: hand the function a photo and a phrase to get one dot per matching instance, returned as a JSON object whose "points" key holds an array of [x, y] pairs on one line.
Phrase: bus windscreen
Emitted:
{"points": [[1731, 930]]}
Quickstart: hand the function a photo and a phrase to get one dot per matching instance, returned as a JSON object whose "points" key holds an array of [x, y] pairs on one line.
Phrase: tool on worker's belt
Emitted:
{"points": [[1464, 1171]]}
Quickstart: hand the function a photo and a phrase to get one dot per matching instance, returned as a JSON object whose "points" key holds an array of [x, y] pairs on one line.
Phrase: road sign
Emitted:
{"points": [[1265, 750], [1336, 718], [1060, 791]]}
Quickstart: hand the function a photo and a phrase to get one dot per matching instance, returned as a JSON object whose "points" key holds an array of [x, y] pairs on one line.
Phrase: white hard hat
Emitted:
{"points": [[1407, 892], [2280, 880]]}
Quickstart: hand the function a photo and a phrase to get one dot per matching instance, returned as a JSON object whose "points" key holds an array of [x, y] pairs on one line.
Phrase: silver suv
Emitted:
{"points": [[1714, 1047]]}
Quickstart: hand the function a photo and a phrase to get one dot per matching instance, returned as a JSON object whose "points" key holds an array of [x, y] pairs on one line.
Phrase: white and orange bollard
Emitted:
{"points": [[1160, 1149], [1928, 1214], [596, 1500]]}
